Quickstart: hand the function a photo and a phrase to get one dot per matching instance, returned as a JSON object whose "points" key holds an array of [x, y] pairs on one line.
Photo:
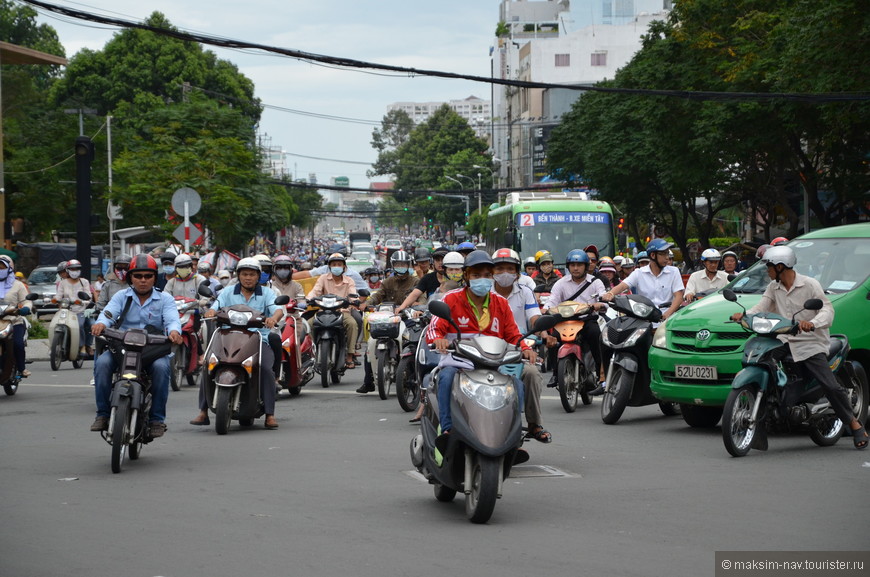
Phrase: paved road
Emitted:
{"points": [[330, 494]]}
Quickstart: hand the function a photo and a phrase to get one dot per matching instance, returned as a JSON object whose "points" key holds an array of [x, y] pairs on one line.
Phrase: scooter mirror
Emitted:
{"points": [[545, 323], [364, 292], [205, 290], [32, 296], [83, 296], [440, 309], [813, 305], [282, 300], [729, 295]]}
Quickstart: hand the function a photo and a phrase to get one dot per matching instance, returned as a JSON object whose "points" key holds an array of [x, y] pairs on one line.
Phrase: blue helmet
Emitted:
{"points": [[577, 255], [478, 257], [658, 245], [642, 255], [465, 246]]}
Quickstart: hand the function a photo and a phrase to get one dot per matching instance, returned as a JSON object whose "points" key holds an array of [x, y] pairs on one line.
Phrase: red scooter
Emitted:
{"points": [[297, 362], [185, 363]]}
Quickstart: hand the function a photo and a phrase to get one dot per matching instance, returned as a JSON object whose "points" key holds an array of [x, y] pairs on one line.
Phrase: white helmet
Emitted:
{"points": [[453, 260], [780, 254], [249, 262], [182, 260], [617, 260], [711, 254]]}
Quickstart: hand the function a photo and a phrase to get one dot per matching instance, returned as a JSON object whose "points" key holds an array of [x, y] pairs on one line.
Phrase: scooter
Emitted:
{"points": [[576, 370], [629, 336], [185, 362], [232, 378], [64, 331], [128, 427], [487, 424], [9, 377], [329, 337], [299, 353], [757, 403], [386, 331], [408, 385]]}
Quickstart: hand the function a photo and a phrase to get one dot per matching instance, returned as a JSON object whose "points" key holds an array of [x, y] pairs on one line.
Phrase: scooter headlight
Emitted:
{"points": [[490, 397], [660, 337], [762, 325], [240, 318], [642, 310]]}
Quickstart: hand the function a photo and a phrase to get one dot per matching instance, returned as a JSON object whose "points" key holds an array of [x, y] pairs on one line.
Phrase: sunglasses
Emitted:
{"points": [[142, 276]]}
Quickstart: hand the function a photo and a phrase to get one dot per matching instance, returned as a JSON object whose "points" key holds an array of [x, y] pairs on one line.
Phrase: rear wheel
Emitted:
{"points": [[480, 501], [701, 417], [566, 377], [138, 434], [120, 432], [77, 364], [11, 387], [325, 350], [826, 430], [737, 431], [858, 392], [407, 389], [223, 410], [179, 362], [616, 396], [56, 352]]}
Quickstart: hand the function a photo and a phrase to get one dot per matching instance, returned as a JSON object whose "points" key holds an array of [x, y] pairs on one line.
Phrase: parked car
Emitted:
{"points": [[43, 281], [696, 353]]}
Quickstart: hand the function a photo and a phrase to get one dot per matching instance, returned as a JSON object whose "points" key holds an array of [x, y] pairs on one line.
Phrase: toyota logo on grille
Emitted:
{"points": [[703, 335]]}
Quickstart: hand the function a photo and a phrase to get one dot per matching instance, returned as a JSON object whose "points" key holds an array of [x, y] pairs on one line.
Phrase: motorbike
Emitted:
{"points": [[9, 377], [329, 337], [487, 424], [128, 427], [232, 377], [185, 361], [299, 353], [64, 331], [387, 332], [629, 337], [576, 371], [757, 402], [408, 383]]}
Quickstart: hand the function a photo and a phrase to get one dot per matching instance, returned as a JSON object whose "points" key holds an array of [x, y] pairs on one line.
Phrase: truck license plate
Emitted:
{"points": [[696, 372]]}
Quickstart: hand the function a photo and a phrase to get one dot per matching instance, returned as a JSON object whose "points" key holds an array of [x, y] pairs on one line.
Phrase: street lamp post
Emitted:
{"points": [[472, 186]]}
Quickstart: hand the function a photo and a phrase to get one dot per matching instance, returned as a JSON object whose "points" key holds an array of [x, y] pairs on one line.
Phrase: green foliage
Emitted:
{"points": [[502, 29], [37, 330], [395, 128]]}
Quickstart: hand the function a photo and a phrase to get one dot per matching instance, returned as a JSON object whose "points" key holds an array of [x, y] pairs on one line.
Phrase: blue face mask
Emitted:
{"points": [[401, 270], [264, 277], [168, 268], [480, 286], [336, 270]]}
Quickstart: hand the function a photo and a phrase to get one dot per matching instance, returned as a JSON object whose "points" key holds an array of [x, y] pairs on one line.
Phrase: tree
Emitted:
{"points": [[396, 126]]}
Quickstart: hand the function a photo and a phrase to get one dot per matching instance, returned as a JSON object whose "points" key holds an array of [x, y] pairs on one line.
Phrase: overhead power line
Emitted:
{"points": [[411, 72]]}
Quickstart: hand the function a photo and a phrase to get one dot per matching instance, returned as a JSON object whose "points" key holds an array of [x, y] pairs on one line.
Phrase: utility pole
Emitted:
{"points": [[84, 153]]}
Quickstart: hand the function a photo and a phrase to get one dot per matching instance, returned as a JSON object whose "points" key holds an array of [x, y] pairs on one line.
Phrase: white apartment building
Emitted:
{"points": [[473, 109], [558, 42]]}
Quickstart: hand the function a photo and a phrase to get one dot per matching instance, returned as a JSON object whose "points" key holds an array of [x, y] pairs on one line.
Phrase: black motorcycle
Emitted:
{"points": [[329, 336], [128, 427], [629, 336], [407, 382]]}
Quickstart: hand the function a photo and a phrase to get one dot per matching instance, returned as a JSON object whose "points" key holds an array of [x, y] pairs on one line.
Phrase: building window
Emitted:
{"points": [[599, 59], [563, 60]]}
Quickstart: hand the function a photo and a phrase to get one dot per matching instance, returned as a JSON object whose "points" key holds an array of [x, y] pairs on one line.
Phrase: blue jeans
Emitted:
{"points": [[104, 368], [445, 386]]}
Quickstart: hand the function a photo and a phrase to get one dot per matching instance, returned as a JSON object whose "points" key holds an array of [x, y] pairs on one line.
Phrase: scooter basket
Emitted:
{"points": [[384, 330]]}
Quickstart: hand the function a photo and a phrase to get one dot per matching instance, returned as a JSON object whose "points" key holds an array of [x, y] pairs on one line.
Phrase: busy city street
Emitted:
{"points": [[333, 492]]}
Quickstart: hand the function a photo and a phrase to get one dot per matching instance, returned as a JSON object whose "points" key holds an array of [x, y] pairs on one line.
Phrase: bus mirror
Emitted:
{"points": [[510, 237]]}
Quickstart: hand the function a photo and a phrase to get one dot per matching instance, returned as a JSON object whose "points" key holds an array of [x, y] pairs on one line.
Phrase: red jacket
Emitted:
{"points": [[501, 325]]}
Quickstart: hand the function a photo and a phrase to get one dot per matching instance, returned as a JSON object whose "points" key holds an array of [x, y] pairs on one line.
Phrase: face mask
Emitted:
{"points": [[336, 270], [505, 279], [224, 281], [374, 279], [121, 274], [74, 274], [401, 270], [455, 276], [283, 273], [480, 286], [168, 268], [546, 268], [264, 277], [183, 271], [4, 273]]}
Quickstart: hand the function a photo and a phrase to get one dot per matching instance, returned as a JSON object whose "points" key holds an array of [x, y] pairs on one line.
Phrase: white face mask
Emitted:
{"points": [[224, 281], [74, 274], [505, 279]]}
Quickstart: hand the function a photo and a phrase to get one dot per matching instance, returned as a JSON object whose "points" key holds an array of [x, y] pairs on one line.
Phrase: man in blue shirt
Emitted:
{"points": [[249, 292], [139, 307]]}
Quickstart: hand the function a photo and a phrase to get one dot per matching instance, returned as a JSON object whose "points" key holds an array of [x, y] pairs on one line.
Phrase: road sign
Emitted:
{"points": [[189, 196], [193, 232]]}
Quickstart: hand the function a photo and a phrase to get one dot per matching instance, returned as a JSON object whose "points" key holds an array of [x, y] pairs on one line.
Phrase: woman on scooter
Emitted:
{"points": [[69, 289], [14, 292], [248, 291]]}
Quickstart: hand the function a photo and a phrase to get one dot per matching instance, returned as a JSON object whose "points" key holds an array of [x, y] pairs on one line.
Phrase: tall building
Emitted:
{"points": [[558, 42], [473, 109]]}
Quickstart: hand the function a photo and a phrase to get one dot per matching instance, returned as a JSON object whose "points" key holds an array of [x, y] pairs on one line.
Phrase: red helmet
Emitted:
{"points": [[141, 263], [778, 241]]}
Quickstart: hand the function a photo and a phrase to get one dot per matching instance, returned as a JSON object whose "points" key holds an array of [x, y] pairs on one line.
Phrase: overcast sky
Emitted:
{"points": [[448, 35]]}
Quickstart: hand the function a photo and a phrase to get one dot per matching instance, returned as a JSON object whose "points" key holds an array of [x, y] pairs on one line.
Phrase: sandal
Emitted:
{"points": [[539, 433], [860, 438], [349, 365]]}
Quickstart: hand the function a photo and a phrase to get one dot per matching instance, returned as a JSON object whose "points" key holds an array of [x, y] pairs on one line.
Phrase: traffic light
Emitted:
{"points": [[406, 209], [429, 197], [621, 224]]}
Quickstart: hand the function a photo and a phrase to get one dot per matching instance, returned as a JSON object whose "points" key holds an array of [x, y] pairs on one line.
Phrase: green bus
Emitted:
{"points": [[557, 222]]}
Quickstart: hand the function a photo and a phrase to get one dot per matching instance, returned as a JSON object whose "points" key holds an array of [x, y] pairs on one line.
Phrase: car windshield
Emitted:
{"points": [[839, 264], [45, 276]]}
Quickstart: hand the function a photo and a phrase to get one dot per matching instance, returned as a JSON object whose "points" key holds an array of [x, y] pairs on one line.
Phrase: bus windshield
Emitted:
{"points": [[560, 232]]}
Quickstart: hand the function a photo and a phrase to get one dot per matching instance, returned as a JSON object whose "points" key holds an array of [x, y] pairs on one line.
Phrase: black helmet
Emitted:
{"points": [[422, 254], [168, 256], [371, 271], [478, 257], [440, 251]]}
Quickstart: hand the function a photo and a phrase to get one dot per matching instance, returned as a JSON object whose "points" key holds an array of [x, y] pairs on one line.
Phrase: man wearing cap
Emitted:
{"points": [[167, 259]]}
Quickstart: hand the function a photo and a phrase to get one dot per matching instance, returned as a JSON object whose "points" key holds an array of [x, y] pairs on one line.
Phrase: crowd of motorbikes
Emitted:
{"points": [[487, 435]]}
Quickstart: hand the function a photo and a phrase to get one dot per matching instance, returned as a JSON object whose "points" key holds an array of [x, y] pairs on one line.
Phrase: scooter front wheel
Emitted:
{"points": [[325, 350], [407, 389], [223, 411], [55, 353], [120, 432], [616, 395], [566, 377], [737, 430], [386, 374], [480, 501]]}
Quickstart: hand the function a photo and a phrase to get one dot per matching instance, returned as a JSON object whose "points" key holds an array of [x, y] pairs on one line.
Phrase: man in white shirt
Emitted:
{"points": [[658, 282], [708, 279]]}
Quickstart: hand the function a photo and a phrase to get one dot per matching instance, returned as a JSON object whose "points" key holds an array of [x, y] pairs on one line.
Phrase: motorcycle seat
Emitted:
{"points": [[834, 348]]}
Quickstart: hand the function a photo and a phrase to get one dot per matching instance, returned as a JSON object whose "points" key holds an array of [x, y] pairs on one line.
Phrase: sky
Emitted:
{"points": [[446, 35]]}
